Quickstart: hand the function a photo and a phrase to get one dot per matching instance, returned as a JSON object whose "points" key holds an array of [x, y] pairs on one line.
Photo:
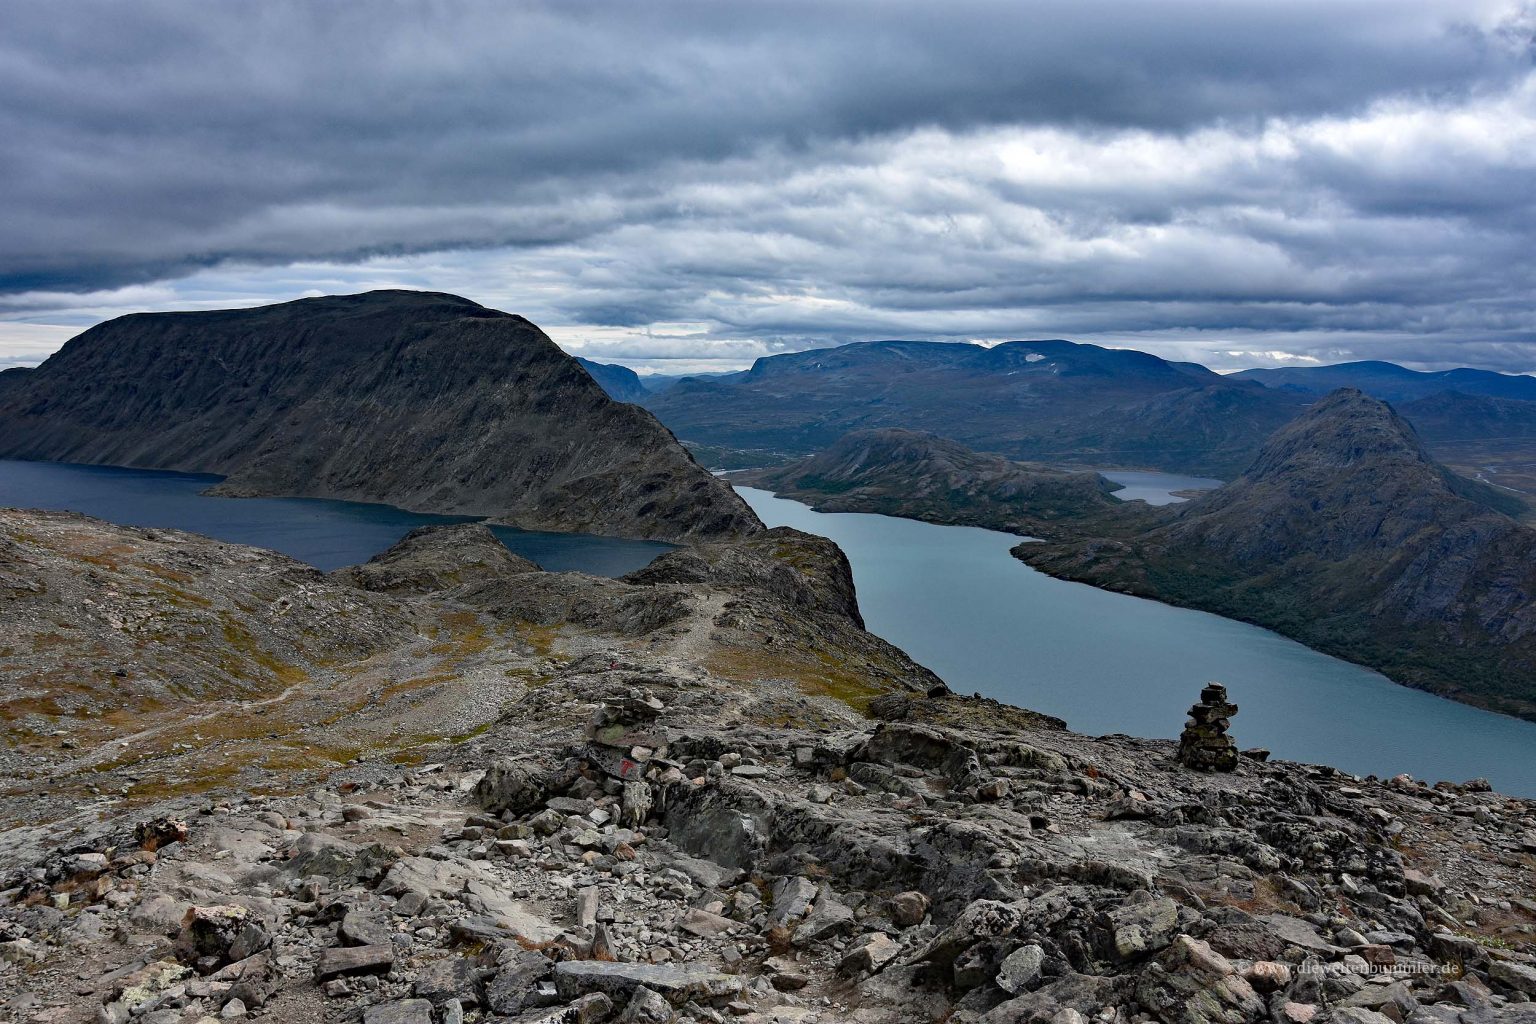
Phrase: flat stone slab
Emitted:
{"points": [[677, 983], [339, 961], [360, 928], [404, 1011], [1298, 933]]}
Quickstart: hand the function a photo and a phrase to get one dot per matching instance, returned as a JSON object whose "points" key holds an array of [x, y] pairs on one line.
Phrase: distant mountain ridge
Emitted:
{"points": [[1458, 416], [418, 399], [1346, 535], [1037, 400], [1393, 383]]}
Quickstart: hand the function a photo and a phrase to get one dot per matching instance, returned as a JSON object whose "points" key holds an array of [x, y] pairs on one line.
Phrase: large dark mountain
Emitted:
{"points": [[417, 399], [1393, 383], [920, 476], [1345, 534], [1050, 401]]}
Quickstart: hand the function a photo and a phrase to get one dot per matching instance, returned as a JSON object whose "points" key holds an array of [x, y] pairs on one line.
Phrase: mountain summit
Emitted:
{"points": [[1345, 534], [418, 399]]}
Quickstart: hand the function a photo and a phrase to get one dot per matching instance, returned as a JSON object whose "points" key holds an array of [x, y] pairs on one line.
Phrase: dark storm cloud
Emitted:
{"points": [[794, 173]]}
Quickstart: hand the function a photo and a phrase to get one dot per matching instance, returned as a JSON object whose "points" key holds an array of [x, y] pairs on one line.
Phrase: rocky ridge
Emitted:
{"points": [[421, 400], [646, 829], [1392, 383], [923, 476]]}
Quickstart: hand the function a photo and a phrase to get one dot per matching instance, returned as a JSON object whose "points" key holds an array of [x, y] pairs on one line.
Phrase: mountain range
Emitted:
{"points": [[1079, 405], [1394, 383], [422, 400], [1052, 401]]}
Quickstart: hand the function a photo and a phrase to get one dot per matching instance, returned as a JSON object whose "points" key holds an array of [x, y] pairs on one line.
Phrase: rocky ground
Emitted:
{"points": [[654, 826]]}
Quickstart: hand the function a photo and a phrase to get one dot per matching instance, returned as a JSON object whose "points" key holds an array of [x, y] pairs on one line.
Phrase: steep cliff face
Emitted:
{"points": [[621, 383], [1345, 534], [422, 400], [921, 476]]}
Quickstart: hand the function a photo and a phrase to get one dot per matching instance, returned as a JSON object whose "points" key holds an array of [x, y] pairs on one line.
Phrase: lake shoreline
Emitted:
{"points": [[327, 533], [1264, 661]]}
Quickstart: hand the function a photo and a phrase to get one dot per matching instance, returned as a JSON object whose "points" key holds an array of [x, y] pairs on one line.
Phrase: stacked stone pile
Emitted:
{"points": [[1204, 744]]}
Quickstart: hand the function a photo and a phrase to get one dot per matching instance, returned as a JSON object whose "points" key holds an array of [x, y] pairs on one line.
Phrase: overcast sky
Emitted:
{"points": [[686, 186]]}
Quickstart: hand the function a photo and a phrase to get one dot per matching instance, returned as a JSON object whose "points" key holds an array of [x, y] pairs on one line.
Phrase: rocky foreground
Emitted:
{"points": [[646, 830]]}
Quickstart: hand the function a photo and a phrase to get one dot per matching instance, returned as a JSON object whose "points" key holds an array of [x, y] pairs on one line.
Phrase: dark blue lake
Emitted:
{"points": [[326, 534]]}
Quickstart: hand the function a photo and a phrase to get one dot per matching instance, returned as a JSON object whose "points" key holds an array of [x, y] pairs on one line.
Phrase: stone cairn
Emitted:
{"points": [[1205, 745]]}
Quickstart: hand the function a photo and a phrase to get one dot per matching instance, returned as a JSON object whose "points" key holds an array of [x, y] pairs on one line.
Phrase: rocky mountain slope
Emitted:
{"points": [[1051, 401], [422, 400], [921, 476], [695, 795], [1345, 534], [1488, 439], [164, 660], [1451, 416], [1393, 383]]}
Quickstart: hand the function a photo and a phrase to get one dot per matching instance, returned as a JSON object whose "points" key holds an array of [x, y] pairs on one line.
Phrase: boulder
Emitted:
{"points": [[647, 1007], [517, 972], [677, 983], [226, 933], [1520, 977], [360, 928], [1020, 970], [401, 1011], [158, 914], [316, 853], [1138, 929], [909, 908], [983, 919], [1067, 1000], [342, 961], [829, 917], [511, 786], [792, 896], [711, 828], [1192, 984], [451, 978], [868, 954]]}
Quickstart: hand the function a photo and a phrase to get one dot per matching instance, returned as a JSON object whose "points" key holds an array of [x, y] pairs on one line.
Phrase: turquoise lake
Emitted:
{"points": [[957, 601]]}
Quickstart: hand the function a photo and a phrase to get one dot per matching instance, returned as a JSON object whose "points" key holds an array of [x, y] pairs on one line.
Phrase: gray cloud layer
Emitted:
{"points": [[1289, 178]]}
